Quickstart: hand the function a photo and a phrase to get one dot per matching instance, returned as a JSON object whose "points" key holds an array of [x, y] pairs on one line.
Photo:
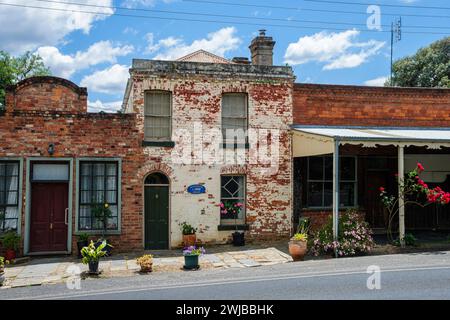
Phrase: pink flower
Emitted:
{"points": [[222, 205], [382, 189], [420, 167]]}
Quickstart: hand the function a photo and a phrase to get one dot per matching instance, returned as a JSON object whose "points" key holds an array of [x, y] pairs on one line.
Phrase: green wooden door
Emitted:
{"points": [[157, 217]]}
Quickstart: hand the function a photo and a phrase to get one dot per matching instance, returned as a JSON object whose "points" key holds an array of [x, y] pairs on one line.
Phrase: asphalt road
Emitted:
{"points": [[409, 276]]}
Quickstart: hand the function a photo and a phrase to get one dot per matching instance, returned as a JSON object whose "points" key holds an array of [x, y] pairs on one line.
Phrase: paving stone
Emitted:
{"points": [[26, 282], [235, 265], [211, 258], [249, 263]]}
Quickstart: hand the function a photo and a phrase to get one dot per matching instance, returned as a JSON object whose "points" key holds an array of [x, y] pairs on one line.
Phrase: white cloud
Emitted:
{"points": [[66, 65], [110, 81], [171, 48], [378, 82], [28, 28], [108, 107], [336, 50]]}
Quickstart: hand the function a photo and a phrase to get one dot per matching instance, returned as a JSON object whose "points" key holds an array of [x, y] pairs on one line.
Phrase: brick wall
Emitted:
{"points": [[197, 98], [27, 129], [370, 106]]}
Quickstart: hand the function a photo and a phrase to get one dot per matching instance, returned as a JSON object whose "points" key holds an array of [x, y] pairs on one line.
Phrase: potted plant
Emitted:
{"points": [[92, 254], [2, 270], [102, 212], [189, 236], [82, 242], [298, 245], [233, 209], [146, 263], [191, 255], [11, 242]]}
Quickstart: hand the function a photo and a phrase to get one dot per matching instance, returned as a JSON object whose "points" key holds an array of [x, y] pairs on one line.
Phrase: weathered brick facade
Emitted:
{"points": [[197, 90]]}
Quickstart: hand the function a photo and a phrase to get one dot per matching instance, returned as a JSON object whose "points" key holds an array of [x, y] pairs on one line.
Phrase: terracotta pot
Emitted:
{"points": [[297, 249], [146, 268], [189, 239], [10, 254]]}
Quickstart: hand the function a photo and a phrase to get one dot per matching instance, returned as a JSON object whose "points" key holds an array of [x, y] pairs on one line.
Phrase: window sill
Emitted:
{"points": [[169, 144], [235, 145], [98, 232], [232, 227]]}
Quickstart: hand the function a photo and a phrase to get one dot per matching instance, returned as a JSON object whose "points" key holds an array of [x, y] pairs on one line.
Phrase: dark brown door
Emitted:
{"points": [[376, 214], [49, 203]]}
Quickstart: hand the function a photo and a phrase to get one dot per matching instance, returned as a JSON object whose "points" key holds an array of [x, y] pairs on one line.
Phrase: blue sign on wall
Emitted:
{"points": [[196, 189]]}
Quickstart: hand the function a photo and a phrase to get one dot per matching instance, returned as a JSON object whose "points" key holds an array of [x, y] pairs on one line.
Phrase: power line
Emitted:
{"points": [[231, 16], [310, 9], [381, 5], [206, 21]]}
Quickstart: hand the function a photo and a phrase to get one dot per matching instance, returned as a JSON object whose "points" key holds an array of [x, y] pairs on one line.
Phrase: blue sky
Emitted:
{"points": [[95, 50]]}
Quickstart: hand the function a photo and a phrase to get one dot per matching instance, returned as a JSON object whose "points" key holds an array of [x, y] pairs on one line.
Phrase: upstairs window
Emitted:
{"points": [[158, 119], [234, 116], [9, 195]]}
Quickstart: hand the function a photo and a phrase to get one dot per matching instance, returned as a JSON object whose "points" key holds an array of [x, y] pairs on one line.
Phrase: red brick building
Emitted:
{"points": [[163, 159]]}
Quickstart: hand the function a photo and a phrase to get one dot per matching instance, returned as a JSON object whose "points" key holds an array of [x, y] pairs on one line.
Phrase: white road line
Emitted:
{"points": [[215, 282]]}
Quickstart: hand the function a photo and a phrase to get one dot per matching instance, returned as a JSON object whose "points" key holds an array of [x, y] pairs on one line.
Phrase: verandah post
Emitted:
{"points": [[401, 202], [336, 191]]}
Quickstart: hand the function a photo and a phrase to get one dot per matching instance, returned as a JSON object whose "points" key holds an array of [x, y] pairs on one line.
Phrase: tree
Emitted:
{"points": [[429, 67], [15, 69]]}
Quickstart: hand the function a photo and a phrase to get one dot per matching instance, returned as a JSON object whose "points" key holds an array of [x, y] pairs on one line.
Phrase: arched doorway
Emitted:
{"points": [[156, 208]]}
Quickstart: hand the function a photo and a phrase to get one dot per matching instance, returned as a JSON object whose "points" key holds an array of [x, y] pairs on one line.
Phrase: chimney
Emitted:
{"points": [[261, 49]]}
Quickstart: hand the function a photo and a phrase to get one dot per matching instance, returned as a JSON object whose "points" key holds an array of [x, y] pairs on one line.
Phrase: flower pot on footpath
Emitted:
{"points": [[146, 263], [2, 271], [93, 267], [191, 262], [298, 249], [191, 255]]}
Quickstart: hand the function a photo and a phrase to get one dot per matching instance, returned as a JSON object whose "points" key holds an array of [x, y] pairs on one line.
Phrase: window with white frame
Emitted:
{"points": [[158, 115], [232, 199], [320, 182], [234, 116], [9, 195], [98, 184]]}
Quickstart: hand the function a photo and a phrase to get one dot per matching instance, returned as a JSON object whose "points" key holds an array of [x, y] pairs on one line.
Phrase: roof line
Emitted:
{"points": [[368, 127]]}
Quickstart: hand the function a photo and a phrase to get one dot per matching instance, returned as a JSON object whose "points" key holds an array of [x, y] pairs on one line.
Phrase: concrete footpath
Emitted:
{"points": [[40, 271]]}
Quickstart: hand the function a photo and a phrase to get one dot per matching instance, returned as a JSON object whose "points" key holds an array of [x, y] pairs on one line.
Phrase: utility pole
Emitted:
{"points": [[396, 36]]}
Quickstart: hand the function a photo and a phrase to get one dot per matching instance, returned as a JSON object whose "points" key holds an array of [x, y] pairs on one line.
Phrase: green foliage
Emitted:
{"points": [[300, 237], [304, 225], [187, 229], [102, 212], [354, 238], [83, 237], [429, 67], [15, 69], [409, 240], [92, 253], [11, 240]]}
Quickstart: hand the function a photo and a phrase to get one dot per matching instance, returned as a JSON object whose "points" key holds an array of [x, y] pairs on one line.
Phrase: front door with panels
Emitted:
{"points": [[156, 211], [49, 207]]}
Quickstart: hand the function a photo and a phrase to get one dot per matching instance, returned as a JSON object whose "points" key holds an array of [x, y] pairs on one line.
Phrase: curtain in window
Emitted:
{"points": [[157, 115], [234, 116], [9, 196], [98, 184]]}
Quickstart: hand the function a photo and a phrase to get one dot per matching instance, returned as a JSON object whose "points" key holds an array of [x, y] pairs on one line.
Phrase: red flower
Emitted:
{"points": [[382, 189], [420, 167]]}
